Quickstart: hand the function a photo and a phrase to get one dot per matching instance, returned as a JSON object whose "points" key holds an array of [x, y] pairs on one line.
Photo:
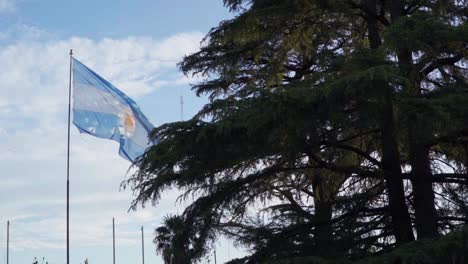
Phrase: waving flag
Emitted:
{"points": [[102, 110]]}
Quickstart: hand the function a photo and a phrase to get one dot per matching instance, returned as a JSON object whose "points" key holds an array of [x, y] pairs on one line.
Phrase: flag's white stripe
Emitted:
{"points": [[90, 98]]}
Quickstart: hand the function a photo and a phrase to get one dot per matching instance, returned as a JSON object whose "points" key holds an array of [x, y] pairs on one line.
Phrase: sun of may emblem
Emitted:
{"points": [[127, 120]]}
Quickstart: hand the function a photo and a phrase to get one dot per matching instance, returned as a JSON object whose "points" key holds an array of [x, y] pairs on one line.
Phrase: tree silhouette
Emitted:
{"points": [[171, 240], [334, 128]]}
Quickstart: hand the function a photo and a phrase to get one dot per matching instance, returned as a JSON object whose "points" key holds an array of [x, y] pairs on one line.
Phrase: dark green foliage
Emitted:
{"points": [[450, 249], [174, 241], [334, 128]]}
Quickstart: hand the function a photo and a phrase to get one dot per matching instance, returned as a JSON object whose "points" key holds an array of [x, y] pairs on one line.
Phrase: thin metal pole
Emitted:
{"points": [[68, 158], [142, 246], [8, 243], [215, 255], [113, 239]]}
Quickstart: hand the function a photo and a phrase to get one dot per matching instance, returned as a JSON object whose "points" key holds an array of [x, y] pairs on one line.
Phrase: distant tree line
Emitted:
{"points": [[335, 128]]}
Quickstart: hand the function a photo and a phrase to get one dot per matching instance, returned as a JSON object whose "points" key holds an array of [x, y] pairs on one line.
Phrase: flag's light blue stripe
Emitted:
{"points": [[130, 149]]}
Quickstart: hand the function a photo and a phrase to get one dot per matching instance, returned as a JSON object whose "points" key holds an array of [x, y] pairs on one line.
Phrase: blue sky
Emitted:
{"points": [[118, 18], [136, 45]]}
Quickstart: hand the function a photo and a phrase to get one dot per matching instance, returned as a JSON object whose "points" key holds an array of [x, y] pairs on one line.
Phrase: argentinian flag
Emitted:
{"points": [[101, 110]]}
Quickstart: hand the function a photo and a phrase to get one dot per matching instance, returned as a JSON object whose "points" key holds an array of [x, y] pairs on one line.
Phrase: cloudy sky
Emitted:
{"points": [[136, 45]]}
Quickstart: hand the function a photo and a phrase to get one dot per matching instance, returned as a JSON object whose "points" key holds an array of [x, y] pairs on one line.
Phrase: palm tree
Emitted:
{"points": [[171, 240]]}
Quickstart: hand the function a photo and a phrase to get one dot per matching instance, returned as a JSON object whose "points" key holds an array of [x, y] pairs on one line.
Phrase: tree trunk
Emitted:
{"points": [[426, 216], [372, 25], [401, 222], [325, 244], [424, 207]]}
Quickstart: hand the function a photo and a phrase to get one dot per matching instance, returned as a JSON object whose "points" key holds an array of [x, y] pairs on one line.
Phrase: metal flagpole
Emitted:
{"points": [[68, 159], [113, 239], [142, 246], [181, 108], [8, 243]]}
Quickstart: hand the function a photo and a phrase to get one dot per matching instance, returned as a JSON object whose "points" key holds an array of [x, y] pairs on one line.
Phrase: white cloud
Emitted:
{"points": [[36, 74], [33, 108]]}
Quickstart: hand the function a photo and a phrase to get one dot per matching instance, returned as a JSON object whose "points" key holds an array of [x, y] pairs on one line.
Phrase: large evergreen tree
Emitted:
{"points": [[334, 128]]}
